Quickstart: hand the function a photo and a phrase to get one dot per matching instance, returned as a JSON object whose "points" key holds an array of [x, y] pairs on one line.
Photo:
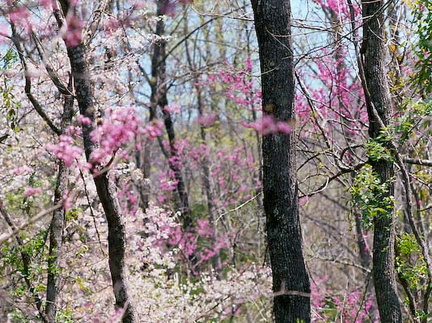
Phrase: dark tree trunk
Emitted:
{"points": [[56, 242], [379, 107], [291, 285], [116, 231], [58, 220], [159, 99]]}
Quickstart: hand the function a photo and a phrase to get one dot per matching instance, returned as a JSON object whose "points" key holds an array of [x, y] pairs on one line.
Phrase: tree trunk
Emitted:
{"points": [[291, 285], [205, 163], [58, 220], [159, 99], [116, 231], [379, 106], [56, 242]]}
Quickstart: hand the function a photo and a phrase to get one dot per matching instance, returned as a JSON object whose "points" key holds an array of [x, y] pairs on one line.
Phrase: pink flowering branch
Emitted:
{"points": [[268, 125], [65, 150]]}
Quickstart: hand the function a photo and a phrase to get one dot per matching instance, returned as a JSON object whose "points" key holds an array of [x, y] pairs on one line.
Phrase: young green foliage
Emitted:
{"points": [[369, 196]]}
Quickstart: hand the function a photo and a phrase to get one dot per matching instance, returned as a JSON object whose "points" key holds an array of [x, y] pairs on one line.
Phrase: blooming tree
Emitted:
{"points": [[132, 167]]}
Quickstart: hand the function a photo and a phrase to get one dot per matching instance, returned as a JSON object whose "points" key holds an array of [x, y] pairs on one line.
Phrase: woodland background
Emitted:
{"points": [[173, 145]]}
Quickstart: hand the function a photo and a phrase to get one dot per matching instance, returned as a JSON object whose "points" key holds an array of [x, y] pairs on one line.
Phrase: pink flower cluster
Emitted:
{"points": [[22, 170], [21, 17], [207, 120], [200, 242], [351, 307], [30, 191], [73, 33], [238, 84], [65, 150], [268, 125], [172, 108], [339, 6], [121, 127], [169, 7]]}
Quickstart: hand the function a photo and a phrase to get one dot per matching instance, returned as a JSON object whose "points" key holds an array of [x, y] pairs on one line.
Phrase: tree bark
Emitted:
{"points": [[379, 106], [291, 285], [56, 242], [116, 231]]}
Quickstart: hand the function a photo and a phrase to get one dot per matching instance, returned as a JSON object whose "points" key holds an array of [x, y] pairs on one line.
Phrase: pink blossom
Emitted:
{"points": [[20, 16], [119, 128], [85, 121], [207, 254], [65, 150], [269, 126], [203, 228], [73, 131], [4, 30], [22, 170], [30, 191], [172, 108], [154, 129], [66, 201], [303, 200], [112, 25], [207, 120], [132, 197], [248, 64], [46, 3], [168, 185], [73, 33]]}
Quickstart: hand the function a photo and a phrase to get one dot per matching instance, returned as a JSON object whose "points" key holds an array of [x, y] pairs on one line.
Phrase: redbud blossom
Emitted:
{"points": [[65, 150], [30, 191], [269, 126]]}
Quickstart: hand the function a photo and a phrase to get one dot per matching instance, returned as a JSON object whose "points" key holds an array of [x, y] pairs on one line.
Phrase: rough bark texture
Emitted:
{"points": [[56, 242], [116, 231], [291, 285], [379, 104]]}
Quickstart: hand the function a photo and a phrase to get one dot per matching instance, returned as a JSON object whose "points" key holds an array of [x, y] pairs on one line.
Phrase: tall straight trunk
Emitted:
{"points": [[379, 106], [55, 246], [159, 98], [116, 232], [58, 221], [291, 285]]}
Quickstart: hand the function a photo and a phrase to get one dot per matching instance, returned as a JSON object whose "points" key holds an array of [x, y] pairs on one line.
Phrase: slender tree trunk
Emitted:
{"points": [[159, 99], [116, 231], [205, 163], [365, 258], [379, 107], [291, 285], [56, 242], [58, 220], [364, 255]]}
